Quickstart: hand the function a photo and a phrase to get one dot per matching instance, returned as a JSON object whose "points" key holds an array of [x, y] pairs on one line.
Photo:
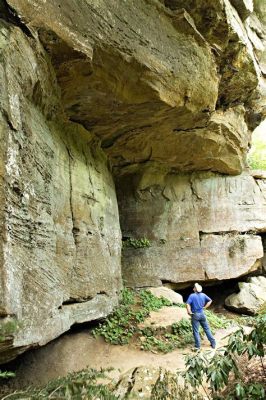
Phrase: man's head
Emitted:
{"points": [[197, 288]]}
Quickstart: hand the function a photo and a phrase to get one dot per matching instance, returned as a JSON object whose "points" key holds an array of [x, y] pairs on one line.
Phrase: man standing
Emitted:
{"points": [[196, 302]]}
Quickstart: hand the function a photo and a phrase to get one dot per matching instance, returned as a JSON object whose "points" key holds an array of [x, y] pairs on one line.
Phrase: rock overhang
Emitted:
{"points": [[153, 73]]}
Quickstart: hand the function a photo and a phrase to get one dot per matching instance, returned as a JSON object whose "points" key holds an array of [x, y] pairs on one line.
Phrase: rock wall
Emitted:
{"points": [[60, 248], [200, 227], [150, 92]]}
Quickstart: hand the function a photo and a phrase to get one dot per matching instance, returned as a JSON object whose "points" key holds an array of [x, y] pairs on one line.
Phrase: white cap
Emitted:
{"points": [[198, 287]]}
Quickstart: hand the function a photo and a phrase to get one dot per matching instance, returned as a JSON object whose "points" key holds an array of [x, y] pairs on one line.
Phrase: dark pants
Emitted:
{"points": [[197, 320]]}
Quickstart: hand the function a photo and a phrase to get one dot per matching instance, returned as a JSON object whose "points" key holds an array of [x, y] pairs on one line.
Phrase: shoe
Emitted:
{"points": [[213, 346], [195, 349]]}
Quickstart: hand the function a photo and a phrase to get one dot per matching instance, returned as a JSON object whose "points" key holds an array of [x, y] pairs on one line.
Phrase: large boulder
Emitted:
{"points": [[251, 298], [169, 294]]}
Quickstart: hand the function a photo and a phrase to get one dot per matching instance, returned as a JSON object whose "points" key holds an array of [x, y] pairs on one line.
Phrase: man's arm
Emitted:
{"points": [[188, 309], [208, 301], [208, 304]]}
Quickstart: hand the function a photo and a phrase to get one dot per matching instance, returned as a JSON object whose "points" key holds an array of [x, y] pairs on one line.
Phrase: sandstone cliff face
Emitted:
{"points": [[60, 248], [200, 226], [158, 90]]}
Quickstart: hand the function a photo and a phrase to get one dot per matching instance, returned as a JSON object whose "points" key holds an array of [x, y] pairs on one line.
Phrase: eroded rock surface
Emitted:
{"points": [[139, 73], [60, 248], [200, 227]]}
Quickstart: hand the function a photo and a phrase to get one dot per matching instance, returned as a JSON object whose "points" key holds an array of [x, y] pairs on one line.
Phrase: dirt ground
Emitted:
{"points": [[77, 350]]}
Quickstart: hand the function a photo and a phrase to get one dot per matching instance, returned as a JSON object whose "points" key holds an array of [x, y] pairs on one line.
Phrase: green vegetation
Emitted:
{"points": [[262, 310], [152, 343], [217, 321], [257, 155], [75, 386], [222, 372], [85, 385], [6, 374], [8, 328], [151, 303], [119, 327], [136, 243], [122, 325]]}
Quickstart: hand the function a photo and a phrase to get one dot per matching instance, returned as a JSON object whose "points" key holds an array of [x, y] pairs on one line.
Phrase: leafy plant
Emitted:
{"points": [[75, 386], [218, 369], [151, 302], [7, 374], [136, 243], [128, 297], [153, 343], [122, 324], [119, 327]]}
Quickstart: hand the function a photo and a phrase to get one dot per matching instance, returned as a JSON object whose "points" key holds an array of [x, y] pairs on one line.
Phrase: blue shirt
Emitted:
{"points": [[197, 301]]}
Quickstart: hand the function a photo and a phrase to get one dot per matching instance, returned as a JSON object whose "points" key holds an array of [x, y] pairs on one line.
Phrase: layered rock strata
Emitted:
{"points": [[201, 227], [60, 247]]}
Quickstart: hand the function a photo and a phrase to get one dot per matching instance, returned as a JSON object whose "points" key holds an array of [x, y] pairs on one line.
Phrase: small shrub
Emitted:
{"points": [[136, 243], [6, 374], [128, 297], [151, 302]]}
